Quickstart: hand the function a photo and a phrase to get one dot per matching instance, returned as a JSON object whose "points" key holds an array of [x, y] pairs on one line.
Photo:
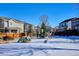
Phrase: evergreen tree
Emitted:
{"points": [[43, 30]]}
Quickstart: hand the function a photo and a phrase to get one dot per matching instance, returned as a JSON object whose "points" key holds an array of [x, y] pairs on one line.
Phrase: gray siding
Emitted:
{"points": [[1, 23]]}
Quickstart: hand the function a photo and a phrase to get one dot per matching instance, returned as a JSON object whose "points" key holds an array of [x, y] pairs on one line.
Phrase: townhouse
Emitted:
{"points": [[69, 24], [16, 26], [26, 27], [4, 23], [9, 25]]}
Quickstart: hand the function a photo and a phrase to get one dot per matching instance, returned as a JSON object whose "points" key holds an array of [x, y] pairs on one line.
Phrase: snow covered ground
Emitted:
{"points": [[37, 47]]}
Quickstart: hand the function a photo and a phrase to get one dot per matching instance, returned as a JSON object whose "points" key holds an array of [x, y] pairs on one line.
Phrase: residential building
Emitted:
{"points": [[26, 27], [11, 25], [70, 24], [55, 29], [4, 22], [16, 26]]}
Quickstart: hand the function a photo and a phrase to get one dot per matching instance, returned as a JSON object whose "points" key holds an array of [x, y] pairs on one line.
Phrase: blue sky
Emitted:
{"points": [[31, 12]]}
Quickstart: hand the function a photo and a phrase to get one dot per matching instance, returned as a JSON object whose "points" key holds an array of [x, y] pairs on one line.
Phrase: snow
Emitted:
{"points": [[68, 37], [57, 46]]}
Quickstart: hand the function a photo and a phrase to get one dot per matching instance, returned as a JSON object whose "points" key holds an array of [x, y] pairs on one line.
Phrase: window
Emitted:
{"points": [[76, 28], [14, 31], [10, 23]]}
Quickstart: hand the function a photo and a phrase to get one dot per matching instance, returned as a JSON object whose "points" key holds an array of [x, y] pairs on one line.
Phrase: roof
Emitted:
{"points": [[5, 18], [67, 20], [15, 20], [70, 20]]}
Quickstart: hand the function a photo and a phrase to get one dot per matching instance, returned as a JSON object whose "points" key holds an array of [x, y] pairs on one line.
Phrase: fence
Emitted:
{"points": [[12, 35]]}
